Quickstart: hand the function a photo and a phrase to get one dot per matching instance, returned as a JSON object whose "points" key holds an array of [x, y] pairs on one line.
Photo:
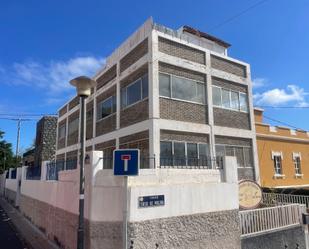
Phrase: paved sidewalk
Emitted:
{"points": [[9, 238], [33, 236]]}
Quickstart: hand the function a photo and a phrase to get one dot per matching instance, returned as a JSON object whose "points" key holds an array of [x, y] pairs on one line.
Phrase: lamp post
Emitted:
{"points": [[83, 86]]}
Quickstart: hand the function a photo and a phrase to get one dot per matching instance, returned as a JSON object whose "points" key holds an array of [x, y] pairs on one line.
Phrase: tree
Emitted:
{"points": [[7, 158]]}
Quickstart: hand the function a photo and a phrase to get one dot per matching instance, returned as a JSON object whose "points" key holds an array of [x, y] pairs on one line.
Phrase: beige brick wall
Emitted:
{"points": [[182, 72], [89, 120], [182, 51], [138, 52], [109, 75], [106, 125], [74, 102], [134, 114], [183, 111], [233, 119], [228, 66], [229, 85], [184, 136], [62, 111]]}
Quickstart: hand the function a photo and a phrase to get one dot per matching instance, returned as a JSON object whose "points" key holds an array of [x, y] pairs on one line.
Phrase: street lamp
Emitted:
{"points": [[83, 86]]}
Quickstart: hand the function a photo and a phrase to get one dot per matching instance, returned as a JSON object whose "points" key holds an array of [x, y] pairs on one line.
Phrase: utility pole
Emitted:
{"points": [[17, 142]]}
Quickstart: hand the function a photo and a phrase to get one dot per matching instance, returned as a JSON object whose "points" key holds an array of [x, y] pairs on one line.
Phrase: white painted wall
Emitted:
{"points": [[63, 193]]}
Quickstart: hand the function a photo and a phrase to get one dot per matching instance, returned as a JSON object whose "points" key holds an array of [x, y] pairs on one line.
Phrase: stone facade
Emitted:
{"points": [[213, 230], [133, 56], [59, 225], [228, 66], [109, 75], [234, 86], [293, 238], [106, 125], [182, 51], [45, 142]]}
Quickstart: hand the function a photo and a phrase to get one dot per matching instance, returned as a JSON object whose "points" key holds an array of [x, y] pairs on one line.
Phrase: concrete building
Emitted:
{"points": [[178, 97], [283, 155], [172, 94]]}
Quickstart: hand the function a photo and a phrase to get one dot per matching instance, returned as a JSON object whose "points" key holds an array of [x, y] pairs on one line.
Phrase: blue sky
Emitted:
{"points": [[44, 44]]}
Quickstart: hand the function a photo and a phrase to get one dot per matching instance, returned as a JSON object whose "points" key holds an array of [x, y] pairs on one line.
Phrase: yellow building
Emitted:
{"points": [[283, 155]]}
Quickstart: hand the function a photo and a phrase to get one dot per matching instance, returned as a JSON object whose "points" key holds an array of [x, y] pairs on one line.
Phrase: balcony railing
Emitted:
{"points": [[191, 162], [256, 221], [33, 173], [280, 199], [53, 168]]}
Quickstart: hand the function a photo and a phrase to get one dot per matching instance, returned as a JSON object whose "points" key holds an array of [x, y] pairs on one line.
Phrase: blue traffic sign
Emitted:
{"points": [[126, 162]]}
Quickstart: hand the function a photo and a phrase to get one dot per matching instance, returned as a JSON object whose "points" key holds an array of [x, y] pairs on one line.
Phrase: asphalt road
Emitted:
{"points": [[9, 239]]}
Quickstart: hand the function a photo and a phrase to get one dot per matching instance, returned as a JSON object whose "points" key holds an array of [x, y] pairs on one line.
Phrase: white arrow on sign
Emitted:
{"points": [[125, 158]]}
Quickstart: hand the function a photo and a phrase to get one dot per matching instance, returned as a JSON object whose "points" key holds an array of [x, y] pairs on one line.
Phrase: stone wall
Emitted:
{"points": [[59, 225], [45, 143], [133, 114], [215, 230], [288, 238]]}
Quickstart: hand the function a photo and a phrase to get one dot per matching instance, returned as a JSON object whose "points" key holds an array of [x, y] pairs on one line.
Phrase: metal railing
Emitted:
{"points": [[256, 221], [13, 173], [145, 162], [191, 162], [279, 199], [53, 168], [33, 173]]}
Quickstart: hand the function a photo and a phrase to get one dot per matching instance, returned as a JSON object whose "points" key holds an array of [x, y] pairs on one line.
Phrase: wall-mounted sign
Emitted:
{"points": [[151, 201], [126, 162], [250, 194]]}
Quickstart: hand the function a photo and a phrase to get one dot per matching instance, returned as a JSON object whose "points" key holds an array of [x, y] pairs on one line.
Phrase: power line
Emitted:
{"points": [[237, 15], [27, 114], [283, 123], [283, 107]]}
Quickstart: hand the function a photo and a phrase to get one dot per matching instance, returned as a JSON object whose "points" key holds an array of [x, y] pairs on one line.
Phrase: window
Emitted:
{"points": [[278, 165], [243, 102], [183, 153], [73, 126], [229, 99], [243, 154], [62, 129], [181, 88], [297, 164], [216, 96], [106, 107], [136, 91]]}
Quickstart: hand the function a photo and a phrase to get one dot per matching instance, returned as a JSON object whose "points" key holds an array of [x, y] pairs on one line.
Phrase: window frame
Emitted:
{"points": [[69, 130], [276, 163], [230, 99], [141, 92], [243, 154], [65, 131], [297, 165], [100, 106], [184, 100]]}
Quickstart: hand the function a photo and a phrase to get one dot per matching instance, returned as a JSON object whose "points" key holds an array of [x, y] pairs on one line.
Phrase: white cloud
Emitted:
{"points": [[259, 82], [53, 76], [293, 94]]}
